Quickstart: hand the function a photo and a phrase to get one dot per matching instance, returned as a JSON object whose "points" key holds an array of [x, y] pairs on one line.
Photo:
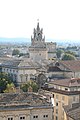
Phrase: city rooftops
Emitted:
{"points": [[25, 100]]}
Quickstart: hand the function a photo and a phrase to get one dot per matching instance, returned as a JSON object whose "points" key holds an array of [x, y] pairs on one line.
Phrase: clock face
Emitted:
{"points": [[39, 35]]}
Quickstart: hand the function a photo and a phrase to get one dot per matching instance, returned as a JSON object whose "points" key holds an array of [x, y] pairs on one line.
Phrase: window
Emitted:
{"points": [[33, 116], [10, 118], [26, 78], [15, 77], [56, 117], [22, 118], [53, 95], [57, 104], [36, 116], [66, 88], [45, 116]]}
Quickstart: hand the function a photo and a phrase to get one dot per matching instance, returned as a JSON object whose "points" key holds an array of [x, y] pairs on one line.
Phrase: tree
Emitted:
{"points": [[21, 54], [4, 80], [15, 52], [59, 52], [72, 53], [10, 88], [29, 83], [67, 56]]}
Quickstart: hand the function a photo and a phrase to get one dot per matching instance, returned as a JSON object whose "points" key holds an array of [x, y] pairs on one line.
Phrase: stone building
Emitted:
{"points": [[64, 69], [65, 93], [51, 47], [39, 49], [20, 70], [25, 106], [23, 70]]}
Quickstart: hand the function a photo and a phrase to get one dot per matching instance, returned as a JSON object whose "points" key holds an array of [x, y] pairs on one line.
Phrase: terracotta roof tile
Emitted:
{"points": [[74, 111], [66, 82], [73, 65]]}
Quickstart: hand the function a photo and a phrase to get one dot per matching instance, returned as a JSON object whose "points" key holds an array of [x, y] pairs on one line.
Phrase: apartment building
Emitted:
{"points": [[64, 69], [64, 92]]}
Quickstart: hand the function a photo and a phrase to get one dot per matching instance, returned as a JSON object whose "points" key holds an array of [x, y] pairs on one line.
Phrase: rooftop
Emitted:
{"points": [[72, 65], [64, 92], [23, 100], [69, 82], [74, 111], [66, 66], [20, 64]]}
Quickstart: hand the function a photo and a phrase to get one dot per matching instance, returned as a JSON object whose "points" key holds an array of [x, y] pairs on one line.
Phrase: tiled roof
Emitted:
{"points": [[19, 64], [73, 65], [73, 112], [11, 63], [22, 100], [66, 82], [28, 64]]}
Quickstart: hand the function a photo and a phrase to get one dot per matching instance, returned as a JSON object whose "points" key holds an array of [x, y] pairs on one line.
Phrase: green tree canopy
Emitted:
{"points": [[10, 88], [4, 80], [29, 83], [15, 52], [67, 56], [72, 53], [59, 52]]}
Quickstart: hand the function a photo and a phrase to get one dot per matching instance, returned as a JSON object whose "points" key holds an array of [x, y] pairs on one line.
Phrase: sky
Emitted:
{"points": [[60, 19]]}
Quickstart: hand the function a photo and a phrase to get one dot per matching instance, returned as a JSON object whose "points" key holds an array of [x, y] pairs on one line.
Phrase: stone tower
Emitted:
{"points": [[38, 49], [37, 38]]}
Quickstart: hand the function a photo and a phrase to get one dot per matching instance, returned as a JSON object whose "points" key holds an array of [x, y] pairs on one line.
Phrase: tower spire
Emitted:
{"points": [[38, 24], [38, 20]]}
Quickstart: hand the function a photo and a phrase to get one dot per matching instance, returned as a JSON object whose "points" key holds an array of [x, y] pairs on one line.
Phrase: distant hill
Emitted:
{"points": [[14, 40], [28, 41], [65, 42]]}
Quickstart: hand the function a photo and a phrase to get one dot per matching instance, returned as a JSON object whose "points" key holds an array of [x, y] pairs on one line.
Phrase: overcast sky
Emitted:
{"points": [[60, 19]]}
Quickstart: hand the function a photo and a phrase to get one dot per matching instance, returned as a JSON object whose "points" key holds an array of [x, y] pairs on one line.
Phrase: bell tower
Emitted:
{"points": [[37, 38], [38, 49]]}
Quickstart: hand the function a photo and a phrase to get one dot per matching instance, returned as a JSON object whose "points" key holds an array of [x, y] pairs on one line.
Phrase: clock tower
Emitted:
{"points": [[37, 36], [38, 50]]}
